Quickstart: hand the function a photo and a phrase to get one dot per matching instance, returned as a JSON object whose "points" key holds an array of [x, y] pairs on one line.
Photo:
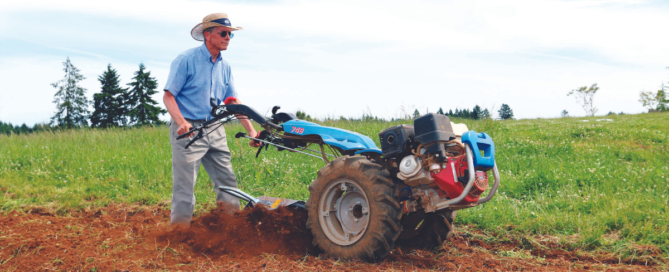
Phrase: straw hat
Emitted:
{"points": [[211, 20]]}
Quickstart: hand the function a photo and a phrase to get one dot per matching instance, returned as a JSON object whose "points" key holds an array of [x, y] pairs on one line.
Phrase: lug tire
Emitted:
{"points": [[435, 229], [378, 194]]}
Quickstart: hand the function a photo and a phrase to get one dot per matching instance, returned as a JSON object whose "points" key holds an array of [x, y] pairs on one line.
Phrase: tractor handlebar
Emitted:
{"points": [[223, 111]]}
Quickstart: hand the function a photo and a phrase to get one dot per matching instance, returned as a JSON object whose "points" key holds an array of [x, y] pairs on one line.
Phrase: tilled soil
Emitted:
{"points": [[131, 238]]}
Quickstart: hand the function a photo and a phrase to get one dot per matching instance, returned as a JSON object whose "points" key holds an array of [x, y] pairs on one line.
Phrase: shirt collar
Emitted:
{"points": [[206, 53]]}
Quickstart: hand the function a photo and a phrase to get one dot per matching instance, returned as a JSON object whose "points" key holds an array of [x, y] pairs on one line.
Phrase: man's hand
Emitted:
{"points": [[244, 120], [255, 143], [175, 113], [184, 127]]}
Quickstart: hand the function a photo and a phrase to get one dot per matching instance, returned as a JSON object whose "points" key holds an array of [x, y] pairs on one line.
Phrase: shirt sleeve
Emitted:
{"points": [[230, 88], [178, 75]]}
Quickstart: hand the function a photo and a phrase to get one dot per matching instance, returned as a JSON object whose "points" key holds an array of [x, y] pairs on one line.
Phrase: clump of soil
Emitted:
{"points": [[245, 233]]}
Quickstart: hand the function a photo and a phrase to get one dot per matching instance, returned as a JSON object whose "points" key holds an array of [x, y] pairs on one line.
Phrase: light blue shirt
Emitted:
{"points": [[194, 80]]}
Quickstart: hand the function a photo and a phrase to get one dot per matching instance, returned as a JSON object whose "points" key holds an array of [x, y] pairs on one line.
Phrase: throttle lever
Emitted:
{"points": [[197, 137], [260, 148]]}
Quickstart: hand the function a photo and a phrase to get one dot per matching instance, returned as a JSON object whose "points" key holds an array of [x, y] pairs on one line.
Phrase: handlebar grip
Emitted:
{"points": [[184, 135], [240, 135], [187, 134]]}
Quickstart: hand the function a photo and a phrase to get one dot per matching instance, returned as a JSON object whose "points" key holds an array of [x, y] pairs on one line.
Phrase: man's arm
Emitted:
{"points": [[173, 109], [249, 128], [245, 121]]}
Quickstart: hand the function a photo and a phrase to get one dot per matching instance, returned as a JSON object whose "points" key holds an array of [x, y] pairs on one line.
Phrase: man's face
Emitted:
{"points": [[214, 38]]}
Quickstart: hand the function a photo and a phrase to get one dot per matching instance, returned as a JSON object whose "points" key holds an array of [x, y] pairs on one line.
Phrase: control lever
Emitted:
{"points": [[240, 135], [262, 136], [197, 137]]}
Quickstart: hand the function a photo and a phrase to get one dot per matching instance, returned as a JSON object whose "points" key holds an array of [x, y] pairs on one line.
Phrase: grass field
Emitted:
{"points": [[600, 185]]}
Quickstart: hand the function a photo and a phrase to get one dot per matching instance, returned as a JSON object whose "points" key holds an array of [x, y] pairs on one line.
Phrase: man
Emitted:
{"points": [[199, 77]]}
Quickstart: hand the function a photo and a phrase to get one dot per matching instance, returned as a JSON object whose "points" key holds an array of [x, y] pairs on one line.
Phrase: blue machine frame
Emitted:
{"points": [[341, 138], [349, 140]]}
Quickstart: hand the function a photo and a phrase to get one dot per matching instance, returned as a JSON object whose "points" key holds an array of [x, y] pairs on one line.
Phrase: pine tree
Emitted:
{"points": [[39, 127], [440, 111], [476, 112], [142, 107], [24, 129], [70, 99], [485, 114], [416, 114], [304, 116], [505, 112], [466, 114], [6, 128], [108, 104]]}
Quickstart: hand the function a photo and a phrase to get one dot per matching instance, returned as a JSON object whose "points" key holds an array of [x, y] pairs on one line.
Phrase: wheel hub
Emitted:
{"points": [[344, 212]]}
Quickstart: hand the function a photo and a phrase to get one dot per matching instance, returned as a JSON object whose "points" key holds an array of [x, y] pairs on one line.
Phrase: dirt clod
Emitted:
{"points": [[245, 233]]}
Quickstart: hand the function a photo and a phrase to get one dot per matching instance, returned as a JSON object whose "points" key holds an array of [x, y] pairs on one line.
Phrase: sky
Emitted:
{"points": [[349, 58]]}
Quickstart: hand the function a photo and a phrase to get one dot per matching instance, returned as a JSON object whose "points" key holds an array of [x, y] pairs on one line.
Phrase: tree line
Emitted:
{"points": [[113, 106], [477, 113], [8, 128]]}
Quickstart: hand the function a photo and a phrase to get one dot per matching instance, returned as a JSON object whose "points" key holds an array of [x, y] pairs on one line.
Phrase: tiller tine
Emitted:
{"points": [[268, 202]]}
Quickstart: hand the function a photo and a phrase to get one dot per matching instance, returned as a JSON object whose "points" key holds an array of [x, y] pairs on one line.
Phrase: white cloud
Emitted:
{"points": [[609, 27]]}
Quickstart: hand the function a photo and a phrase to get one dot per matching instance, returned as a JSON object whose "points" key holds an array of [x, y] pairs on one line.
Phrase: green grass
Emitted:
{"points": [[562, 177]]}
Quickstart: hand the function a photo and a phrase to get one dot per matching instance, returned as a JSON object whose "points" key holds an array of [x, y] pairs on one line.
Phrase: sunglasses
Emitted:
{"points": [[225, 33]]}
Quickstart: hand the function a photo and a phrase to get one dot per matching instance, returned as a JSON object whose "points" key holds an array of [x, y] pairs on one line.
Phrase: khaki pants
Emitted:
{"points": [[213, 152]]}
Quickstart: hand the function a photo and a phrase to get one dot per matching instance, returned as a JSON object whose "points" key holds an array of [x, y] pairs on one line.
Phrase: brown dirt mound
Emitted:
{"points": [[246, 233]]}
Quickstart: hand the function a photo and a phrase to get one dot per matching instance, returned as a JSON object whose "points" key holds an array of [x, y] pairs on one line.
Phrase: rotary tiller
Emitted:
{"points": [[365, 200]]}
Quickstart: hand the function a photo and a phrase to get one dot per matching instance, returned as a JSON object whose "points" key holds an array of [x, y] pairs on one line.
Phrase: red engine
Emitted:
{"points": [[453, 176]]}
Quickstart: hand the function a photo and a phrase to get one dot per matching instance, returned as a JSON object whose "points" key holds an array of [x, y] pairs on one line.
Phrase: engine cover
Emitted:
{"points": [[447, 179], [394, 140], [433, 131]]}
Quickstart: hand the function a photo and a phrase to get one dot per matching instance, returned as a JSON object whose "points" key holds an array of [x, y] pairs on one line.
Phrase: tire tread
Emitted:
{"points": [[381, 191]]}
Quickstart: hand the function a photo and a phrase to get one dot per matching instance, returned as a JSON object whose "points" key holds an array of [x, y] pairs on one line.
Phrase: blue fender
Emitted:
{"points": [[344, 139]]}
